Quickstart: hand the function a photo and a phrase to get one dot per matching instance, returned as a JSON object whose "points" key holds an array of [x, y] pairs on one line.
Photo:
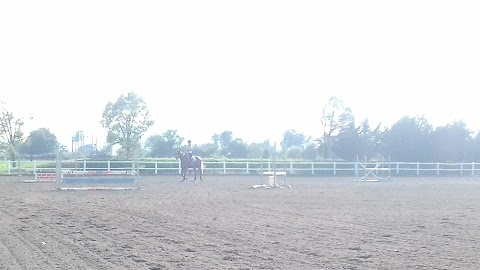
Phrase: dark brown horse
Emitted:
{"points": [[185, 164]]}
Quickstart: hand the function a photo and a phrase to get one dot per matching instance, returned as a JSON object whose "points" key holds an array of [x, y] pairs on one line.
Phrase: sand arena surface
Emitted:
{"points": [[222, 223]]}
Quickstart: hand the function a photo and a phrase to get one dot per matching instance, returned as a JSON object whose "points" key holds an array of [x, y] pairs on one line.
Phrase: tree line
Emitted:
{"points": [[410, 139]]}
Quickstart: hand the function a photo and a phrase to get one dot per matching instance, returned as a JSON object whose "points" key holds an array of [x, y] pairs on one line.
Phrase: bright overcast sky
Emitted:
{"points": [[256, 68]]}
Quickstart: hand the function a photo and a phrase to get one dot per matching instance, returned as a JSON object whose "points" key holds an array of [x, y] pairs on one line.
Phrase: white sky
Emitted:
{"points": [[257, 68]]}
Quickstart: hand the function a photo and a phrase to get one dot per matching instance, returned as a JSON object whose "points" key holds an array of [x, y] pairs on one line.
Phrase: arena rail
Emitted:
{"points": [[292, 167]]}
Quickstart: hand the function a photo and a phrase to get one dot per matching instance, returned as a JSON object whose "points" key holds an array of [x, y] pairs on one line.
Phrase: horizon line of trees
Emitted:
{"points": [[410, 139]]}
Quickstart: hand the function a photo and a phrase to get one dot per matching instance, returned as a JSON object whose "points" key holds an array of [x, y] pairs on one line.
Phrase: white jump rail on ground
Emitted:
{"points": [[376, 173], [97, 180], [271, 180], [100, 181], [43, 177]]}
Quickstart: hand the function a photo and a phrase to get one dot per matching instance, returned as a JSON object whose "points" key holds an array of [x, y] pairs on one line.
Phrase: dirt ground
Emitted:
{"points": [[222, 223]]}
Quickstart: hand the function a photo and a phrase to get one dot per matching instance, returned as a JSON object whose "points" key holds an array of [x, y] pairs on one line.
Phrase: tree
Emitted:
{"points": [[222, 140], [335, 116], [40, 141], [450, 142], [310, 151], [164, 145], [266, 145], [206, 150], [294, 152], [408, 140], [346, 145], [255, 150], [292, 138], [236, 149], [473, 149], [11, 135], [370, 140], [87, 150], [126, 120], [105, 151]]}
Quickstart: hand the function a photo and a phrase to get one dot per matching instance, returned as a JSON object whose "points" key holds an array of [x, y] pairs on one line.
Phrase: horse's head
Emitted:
{"points": [[180, 154]]}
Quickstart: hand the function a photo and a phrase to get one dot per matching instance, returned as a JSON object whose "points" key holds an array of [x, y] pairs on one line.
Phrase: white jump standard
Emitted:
{"points": [[272, 176], [375, 173]]}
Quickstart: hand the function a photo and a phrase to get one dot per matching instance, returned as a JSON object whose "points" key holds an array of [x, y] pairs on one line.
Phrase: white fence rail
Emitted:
{"points": [[318, 168]]}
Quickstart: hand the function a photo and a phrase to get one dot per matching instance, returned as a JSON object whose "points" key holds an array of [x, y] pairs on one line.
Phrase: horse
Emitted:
{"points": [[185, 165]]}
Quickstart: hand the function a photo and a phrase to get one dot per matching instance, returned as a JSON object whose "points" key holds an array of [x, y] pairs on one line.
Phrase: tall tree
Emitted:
{"points": [[40, 141], [11, 135], [370, 140], [335, 116], [127, 120], [346, 145]]}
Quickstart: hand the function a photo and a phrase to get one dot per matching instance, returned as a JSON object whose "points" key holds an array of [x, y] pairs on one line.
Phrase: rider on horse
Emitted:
{"points": [[189, 151]]}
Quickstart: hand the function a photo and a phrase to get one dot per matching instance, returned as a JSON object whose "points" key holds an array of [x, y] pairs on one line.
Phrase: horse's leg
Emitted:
{"points": [[200, 170], [194, 172], [183, 173]]}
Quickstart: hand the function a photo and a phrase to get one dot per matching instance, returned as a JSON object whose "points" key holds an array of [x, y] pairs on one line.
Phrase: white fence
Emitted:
{"points": [[316, 168]]}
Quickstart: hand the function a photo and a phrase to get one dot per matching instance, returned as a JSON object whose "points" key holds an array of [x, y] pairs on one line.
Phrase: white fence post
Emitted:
{"points": [[461, 168], [334, 168], [224, 167], [313, 171], [473, 168], [9, 167], [291, 167], [418, 168], [108, 165], [156, 166], [247, 168], [438, 168]]}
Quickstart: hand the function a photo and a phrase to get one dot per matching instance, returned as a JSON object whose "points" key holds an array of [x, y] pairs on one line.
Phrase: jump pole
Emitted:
{"points": [[274, 164], [59, 169], [365, 171]]}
